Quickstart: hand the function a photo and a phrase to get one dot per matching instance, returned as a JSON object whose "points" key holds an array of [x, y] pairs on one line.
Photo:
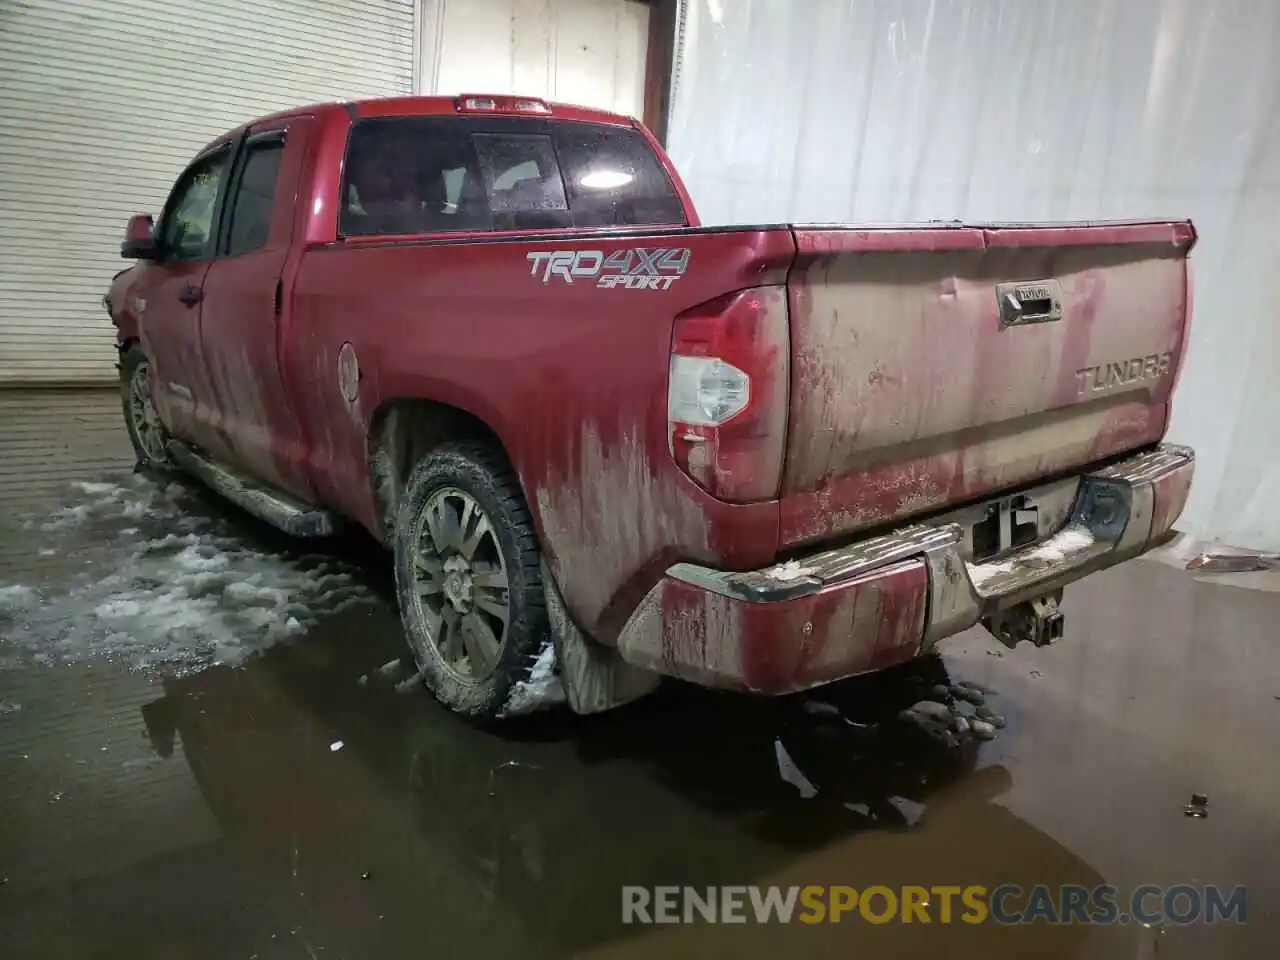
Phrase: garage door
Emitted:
{"points": [[104, 102]]}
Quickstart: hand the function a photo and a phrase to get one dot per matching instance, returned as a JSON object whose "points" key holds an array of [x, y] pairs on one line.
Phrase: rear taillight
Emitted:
{"points": [[728, 392]]}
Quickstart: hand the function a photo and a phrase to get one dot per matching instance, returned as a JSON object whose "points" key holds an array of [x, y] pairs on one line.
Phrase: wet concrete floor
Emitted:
{"points": [[204, 753]]}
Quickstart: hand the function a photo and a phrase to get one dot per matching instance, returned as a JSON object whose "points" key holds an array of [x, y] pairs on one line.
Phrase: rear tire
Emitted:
{"points": [[468, 579], [147, 434]]}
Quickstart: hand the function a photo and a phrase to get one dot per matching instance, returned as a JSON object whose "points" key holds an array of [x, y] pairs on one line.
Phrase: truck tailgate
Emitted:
{"points": [[940, 364]]}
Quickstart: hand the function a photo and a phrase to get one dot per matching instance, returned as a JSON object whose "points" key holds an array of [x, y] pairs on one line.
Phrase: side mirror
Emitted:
{"points": [[139, 239]]}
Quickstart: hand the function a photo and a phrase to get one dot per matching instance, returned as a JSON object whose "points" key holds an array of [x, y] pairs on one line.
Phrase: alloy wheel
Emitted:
{"points": [[142, 414], [460, 584]]}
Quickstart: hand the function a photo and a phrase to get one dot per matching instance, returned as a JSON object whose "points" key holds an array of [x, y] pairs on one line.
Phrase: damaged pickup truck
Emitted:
{"points": [[607, 444]]}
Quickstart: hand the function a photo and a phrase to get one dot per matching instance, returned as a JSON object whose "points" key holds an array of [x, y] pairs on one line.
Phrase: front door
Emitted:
{"points": [[169, 294], [243, 325]]}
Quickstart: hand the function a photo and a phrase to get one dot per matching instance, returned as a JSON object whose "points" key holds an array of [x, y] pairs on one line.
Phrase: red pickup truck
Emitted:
{"points": [[606, 443]]}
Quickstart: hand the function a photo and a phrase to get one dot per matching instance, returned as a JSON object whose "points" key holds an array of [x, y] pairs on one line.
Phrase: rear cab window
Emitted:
{"points": [[407, 175]]}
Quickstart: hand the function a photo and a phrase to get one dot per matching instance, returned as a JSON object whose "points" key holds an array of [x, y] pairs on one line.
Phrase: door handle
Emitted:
{"points": [[190, 295]]}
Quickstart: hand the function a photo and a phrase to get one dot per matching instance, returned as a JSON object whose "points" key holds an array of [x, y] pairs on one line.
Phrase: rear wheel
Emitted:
{"points": [[146, 432], [468, 579]]}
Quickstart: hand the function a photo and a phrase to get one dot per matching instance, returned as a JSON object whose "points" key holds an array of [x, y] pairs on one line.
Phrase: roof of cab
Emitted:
{"points": [[423, 107], [439, 106]]}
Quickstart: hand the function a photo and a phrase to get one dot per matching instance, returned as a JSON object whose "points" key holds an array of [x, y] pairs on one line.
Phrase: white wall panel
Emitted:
{"points": [[884, 110], [587, 52]]}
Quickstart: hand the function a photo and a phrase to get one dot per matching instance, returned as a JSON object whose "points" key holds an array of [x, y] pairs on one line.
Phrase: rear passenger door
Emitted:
{"points": [[244, 328]]}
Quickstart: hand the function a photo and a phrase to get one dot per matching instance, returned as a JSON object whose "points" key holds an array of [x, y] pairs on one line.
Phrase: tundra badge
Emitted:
{"points": [[1123, 373]]}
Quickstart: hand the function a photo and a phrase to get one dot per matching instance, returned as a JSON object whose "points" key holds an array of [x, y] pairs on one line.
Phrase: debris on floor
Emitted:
{"points": [[990, 716], [967, 692], [957, 714], [508, 765], [541, 689], [392, 669], [1234, 562], [983, 730], [1198, 807], [410, 684], [910, 811], [792, 774], [829, 718], [932, 709]]}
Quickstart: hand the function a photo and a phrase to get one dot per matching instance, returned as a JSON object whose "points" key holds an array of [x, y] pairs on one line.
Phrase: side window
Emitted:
{"points": [[523, 179], [187, 231], [412, 175], [613, 177], [255, 195]]}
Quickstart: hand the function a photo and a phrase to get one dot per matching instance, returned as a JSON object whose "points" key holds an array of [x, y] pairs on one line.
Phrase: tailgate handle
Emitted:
{"points": [[1032, 301]]}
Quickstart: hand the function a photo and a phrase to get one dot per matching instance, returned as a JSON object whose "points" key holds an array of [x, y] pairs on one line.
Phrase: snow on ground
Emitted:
{"points": [[542, 689], [166, 584], [16, 597]]}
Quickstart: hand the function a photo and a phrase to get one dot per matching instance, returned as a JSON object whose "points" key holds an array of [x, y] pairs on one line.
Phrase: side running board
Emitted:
{"points": [[282, 511]]}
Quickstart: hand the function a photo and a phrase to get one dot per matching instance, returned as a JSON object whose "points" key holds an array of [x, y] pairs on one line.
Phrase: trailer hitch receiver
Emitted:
{"points": [[1038, 621]]}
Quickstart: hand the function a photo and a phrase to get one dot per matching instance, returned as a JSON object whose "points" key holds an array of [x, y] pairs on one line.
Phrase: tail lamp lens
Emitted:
{"points": [[728, 392], [706, 391]]}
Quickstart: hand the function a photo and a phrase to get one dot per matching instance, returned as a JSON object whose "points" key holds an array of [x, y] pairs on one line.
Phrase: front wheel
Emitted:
{"points": [[469, 582], [146, 432]]}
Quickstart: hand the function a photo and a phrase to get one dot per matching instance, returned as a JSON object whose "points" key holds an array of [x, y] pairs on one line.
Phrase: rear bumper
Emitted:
{"points": [[883, 601]]}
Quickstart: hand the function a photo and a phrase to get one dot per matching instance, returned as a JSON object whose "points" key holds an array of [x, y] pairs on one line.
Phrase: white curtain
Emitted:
{"points": [[892, 110]]}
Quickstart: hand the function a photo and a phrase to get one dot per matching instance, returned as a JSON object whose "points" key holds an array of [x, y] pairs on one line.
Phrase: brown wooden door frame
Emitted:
{"points": [[659, 60]]}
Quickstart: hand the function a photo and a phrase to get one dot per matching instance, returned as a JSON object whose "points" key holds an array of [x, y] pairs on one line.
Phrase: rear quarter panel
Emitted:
{"points": [[571, 376]]}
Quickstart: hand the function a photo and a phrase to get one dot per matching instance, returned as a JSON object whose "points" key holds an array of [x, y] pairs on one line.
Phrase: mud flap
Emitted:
{"points": [[595, 677]]}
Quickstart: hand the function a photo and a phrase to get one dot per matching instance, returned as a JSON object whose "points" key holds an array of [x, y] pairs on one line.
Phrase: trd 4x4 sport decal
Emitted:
{"points": [[636, 268]]}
